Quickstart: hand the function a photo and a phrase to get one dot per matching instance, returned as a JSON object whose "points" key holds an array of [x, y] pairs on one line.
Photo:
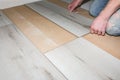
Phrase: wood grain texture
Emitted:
{"points": [[75, 17], [20, 60], [85, 4], [80, 11], [108, 43], [61, 17], [44, 34], [82, 60], [4, 20], [12, 3]]}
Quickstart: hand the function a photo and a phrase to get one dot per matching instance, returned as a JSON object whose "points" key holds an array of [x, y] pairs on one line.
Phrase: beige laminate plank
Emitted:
{"points": [[43, 33], [71, 22], [110, 44]]}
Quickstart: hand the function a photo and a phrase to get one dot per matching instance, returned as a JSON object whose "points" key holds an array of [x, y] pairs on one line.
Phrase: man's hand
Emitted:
{"points": [[74, 4], [99, 26]]}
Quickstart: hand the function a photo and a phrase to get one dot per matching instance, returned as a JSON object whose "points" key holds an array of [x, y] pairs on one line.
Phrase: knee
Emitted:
{"points": [[113, 31], [93, 12]]}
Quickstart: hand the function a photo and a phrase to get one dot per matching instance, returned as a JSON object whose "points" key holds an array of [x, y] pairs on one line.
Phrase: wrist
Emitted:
{"points": [[104, 16]]}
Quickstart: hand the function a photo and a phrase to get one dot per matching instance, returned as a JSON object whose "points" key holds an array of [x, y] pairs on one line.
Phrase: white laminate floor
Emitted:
{"points": [[82, 60], [12, 3], [20, 60], [4, 20], [78, 59]]}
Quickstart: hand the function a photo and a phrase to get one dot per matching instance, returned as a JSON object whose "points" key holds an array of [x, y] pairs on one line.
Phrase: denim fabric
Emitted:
{"points": [[97, 6], [113, 27]]}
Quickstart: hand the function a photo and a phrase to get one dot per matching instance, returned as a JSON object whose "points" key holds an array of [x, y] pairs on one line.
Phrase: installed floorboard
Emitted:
{"points": [[4, 20], [43, 33], [77, 60], [12, 3], [20, 60], [80, 11], [108, 43], [62, 17], [86, 4], [81, 60]]}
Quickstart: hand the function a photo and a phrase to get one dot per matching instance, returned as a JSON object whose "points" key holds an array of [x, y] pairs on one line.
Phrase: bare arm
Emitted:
{"points": [[100, 23], [112, 6]]}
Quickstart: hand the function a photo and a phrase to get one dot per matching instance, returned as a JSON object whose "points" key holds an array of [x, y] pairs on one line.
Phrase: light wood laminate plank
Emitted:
{"points": [[85, 5], [43, 33], [82, 60], [4, 20], [83, 20], [20, 60], [12, 3], [80, 11], [61, 17]]}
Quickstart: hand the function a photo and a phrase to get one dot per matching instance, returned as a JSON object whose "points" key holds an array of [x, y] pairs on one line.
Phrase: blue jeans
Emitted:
{"points": [[113, 27]]}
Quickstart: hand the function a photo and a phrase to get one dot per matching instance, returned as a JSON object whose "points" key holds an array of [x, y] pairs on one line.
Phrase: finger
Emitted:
{"points": [[99, 33], [96, 31], [103, 33], [91, 31], [70, 8]]}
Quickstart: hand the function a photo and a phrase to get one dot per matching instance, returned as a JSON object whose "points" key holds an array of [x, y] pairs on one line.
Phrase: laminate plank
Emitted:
{"points": [[82, 60], [60, 16], [20, 60], [4, 20], [80, 11], [108, 43], [12, 3], [64, 12], [85, 5], [44, 34]]}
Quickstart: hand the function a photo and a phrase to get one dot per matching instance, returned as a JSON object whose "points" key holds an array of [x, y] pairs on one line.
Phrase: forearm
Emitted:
{"points": [[111, 7]]}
